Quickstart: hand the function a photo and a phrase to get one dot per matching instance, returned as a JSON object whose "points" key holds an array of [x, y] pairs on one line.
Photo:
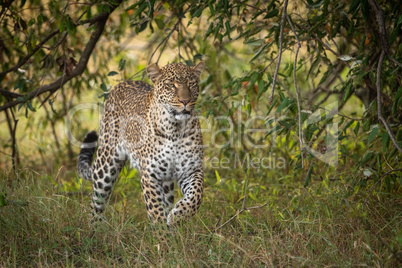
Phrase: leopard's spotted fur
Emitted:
{"points": [[157, 130]]}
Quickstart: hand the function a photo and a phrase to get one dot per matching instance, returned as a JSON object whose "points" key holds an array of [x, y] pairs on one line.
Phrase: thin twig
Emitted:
{"points": [[379, 104], [238, 213], [166, 39], [10, 94], [285, 5], [164, 42], [178, 40], [6, 5], [342, 115], [297, 89], [13, 130]]}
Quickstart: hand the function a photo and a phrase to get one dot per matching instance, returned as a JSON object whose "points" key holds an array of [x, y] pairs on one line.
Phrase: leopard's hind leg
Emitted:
{"points": [[106, 169]]}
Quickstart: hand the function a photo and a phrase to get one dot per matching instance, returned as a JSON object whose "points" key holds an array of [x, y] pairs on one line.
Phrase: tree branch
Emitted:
{"points": [[47, 38], [12, 126], [9, 94], [379, 104], [285, 5], [78, 70], [382, 30], [6, 5], [297, 88], [27, 57]]}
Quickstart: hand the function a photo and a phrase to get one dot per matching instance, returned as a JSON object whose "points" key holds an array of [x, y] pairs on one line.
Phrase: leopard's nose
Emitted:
{"points": [[185, 102]]}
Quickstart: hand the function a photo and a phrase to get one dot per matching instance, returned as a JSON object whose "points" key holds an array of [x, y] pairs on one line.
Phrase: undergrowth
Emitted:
{"points": [[43, 225]]}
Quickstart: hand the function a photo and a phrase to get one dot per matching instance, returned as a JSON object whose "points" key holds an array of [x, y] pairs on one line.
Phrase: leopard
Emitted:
{"points": [[155, 129]]}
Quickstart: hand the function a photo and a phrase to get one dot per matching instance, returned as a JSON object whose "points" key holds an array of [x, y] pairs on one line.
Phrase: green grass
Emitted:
{"points": [[42, 225]]}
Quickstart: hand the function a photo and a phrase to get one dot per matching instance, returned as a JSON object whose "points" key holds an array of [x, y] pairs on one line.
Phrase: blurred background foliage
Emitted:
{"points": [[340, 47], [59, 60]]}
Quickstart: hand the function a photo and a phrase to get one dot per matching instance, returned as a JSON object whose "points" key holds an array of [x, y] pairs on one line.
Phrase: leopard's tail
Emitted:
{"points": [[86, 155]]}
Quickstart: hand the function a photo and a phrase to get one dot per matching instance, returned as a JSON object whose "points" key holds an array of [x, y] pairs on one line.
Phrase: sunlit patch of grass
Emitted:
{"points": [[42, 225]]}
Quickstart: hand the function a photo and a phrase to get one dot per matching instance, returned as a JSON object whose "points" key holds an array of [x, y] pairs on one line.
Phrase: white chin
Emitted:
{"points": [[182, 116]]}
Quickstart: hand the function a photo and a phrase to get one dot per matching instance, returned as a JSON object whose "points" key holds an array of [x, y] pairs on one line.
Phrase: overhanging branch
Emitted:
{"points": [[100, 22], [379, 103], [47, 38]]}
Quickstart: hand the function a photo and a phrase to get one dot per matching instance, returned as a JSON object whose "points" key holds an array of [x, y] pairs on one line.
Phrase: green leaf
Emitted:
{"points": [[325, 75], [133, 6], [272, 106], [209, 31], [373, 134], [20, 84], [143, 26], [248, 108], [31, 22], [30, 107], [347, 92], [253, 79], [356, 129], [68, 24], [399, 20], [308, 177], [258, 53], [40, 18], [198, 56], [354, 5], [348, 125], [140, 9], [198, 13], [276, 128], [397, 99], [271, 14], [211, 9], [122, 64], [228, 30], [285, 124], [112, 73], [3, 201], [283, 104], [218, 178], [314, 65], [103, 87], [366, 157], [260, 87], [385, 141], [160, 23]]}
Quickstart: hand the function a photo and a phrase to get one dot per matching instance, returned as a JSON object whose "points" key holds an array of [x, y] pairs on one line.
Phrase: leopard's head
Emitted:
{"points": [[176, 87]]}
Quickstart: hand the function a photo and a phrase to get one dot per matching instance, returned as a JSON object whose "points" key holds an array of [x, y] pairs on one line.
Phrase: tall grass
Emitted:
{"points": [[42, 225]]}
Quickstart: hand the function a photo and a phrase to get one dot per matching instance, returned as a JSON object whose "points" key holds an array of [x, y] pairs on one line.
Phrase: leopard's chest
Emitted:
{"points": [[162, 160]]}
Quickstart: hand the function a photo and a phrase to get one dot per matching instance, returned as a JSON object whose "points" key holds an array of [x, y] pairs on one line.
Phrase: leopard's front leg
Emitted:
{"points": [[192, 187], [158, 196]]}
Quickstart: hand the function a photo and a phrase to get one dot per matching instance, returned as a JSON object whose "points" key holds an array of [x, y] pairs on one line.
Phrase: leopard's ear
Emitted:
{"points": [[197, 69], [153, 72]]}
